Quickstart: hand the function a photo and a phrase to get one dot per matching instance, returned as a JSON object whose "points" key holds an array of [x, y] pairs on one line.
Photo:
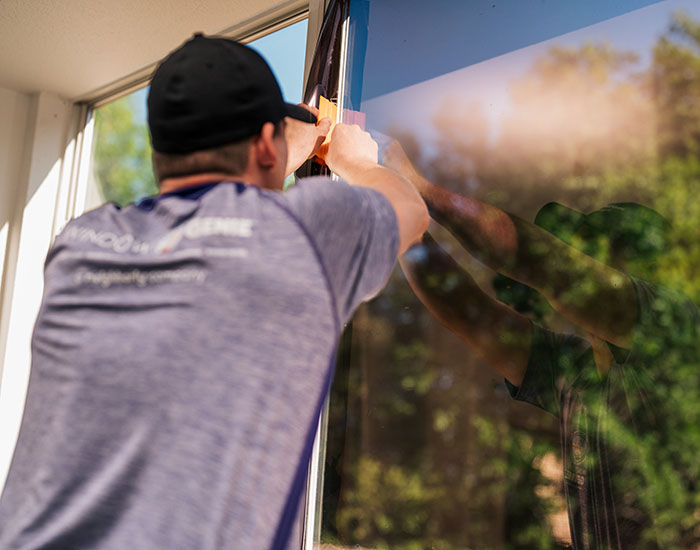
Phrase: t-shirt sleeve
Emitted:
{"points": [[355, 233], [556, 361]]}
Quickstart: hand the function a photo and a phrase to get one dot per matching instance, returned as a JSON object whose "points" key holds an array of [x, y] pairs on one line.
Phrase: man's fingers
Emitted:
{"points": [[317, 146], [309, 108], [321, 131], [324, 126], [349, 145]]}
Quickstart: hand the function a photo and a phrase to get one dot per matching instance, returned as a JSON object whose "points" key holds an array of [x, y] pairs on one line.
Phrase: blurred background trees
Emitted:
{"points": [[425, 448], [122, 164]]}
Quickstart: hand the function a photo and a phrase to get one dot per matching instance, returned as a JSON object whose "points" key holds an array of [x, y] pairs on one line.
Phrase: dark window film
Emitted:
{"points": [[557, 146], [325, 68], [324, 74]]}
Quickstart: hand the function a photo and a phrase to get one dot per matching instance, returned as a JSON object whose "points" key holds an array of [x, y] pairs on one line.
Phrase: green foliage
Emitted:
{"points": [[676, 86], [531, 496], [122, 151], [389, 506], [432, 457], [677, 199]]}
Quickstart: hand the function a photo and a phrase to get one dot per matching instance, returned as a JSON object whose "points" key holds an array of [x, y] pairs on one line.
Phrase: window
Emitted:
{"points": [[518, 105], [121, 160]]}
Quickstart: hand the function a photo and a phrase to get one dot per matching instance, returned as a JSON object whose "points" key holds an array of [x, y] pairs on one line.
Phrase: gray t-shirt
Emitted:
{"points": [[180, 359]]}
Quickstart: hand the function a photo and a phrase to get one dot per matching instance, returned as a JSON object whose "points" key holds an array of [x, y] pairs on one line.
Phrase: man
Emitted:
{"points": [[185, 344], [625, 441]]}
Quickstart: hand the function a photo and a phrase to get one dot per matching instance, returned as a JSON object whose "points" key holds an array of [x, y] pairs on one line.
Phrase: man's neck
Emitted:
{"points": [[169, 185]]}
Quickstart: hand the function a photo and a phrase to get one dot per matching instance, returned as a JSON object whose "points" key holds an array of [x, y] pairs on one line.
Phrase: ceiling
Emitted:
{"points": [[78, 48]]}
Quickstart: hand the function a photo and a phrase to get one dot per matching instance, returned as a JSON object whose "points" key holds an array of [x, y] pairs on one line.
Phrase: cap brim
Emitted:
{"points": [[298, 112]]}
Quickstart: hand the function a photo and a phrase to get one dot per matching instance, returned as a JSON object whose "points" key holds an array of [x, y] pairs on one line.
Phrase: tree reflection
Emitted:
{"points": [[435, 454]]}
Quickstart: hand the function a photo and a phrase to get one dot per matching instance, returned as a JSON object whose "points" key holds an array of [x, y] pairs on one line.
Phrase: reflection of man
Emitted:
{"points": [[610, 390], [184, 344]]}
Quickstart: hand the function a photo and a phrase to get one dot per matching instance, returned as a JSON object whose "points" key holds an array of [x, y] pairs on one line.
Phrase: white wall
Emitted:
{"points": [[35, 133], [14, 113]]}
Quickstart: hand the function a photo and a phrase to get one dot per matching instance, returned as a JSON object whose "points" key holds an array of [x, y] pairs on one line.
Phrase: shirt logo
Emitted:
{"points": [[193, 229], [226, 227], [205, 227], [119, 243]]}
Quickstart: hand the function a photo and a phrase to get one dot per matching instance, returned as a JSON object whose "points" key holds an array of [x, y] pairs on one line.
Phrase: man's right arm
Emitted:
{"points": [[352, 155]]}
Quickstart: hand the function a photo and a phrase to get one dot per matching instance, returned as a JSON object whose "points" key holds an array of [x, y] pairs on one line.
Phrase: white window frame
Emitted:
{"points": [[314, 490]]}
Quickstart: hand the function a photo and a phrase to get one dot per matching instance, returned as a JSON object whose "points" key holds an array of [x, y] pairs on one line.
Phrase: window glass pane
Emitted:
{"points": [[121, 161], [551, 112], [284, 51]]}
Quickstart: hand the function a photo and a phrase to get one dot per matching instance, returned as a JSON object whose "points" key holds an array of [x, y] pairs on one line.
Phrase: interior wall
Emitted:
{"points": [[14, 120], [33, 151]]}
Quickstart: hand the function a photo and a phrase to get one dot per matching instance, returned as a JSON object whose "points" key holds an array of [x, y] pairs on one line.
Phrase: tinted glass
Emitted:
{"points": [[578, 122]]}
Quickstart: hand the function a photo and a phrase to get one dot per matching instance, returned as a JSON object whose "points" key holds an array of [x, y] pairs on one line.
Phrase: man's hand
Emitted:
{"points": [[303, 139], [392, 155], [350, 149], [352, 155]]}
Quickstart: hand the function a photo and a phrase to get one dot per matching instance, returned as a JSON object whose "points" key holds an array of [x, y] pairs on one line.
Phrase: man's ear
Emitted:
{"points": [[265, 151]]}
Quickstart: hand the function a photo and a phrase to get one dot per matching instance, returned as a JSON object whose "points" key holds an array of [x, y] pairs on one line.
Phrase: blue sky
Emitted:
{"points": [[411, 41], [488, 81], [284, 51], [413, 55]]}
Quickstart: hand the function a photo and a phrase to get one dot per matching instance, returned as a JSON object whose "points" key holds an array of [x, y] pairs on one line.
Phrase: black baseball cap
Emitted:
{"points": [[212, 91]]}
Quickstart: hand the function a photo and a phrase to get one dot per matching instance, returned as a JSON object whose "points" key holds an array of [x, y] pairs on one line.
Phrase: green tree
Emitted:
{"points": [[122, 151], [675, 80]]}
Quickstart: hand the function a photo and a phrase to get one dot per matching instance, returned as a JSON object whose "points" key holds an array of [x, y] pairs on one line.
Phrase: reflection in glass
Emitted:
{"points": [[582, 124]]}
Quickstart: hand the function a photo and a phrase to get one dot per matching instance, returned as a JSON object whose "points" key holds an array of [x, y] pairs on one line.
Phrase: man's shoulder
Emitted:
{"points": [[316, 184], [322, 189], [91, 218]]}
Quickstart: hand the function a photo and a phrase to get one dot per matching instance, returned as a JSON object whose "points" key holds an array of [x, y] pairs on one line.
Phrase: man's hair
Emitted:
{"points": [[231, 158]]}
